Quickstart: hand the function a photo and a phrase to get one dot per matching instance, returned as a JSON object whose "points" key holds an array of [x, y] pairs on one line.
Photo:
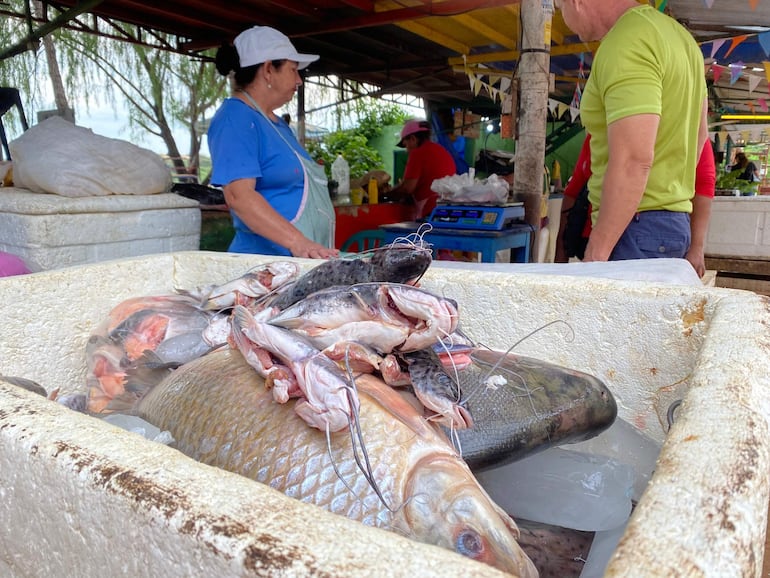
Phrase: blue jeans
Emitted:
{"points": [[652, 234]]}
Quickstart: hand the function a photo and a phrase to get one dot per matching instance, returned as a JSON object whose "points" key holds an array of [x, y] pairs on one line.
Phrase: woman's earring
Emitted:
{"points": [[269, 85]]}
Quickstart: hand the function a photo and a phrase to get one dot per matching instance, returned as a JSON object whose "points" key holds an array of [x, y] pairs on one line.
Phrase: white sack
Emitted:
{"points": [[55, 156]]}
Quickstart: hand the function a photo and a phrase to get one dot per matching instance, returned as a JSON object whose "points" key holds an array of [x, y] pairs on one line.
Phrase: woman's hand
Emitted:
{"points": [[312, 250]]}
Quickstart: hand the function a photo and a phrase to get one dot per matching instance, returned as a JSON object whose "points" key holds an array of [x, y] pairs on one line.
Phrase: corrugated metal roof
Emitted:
{"points": [[425, 47]]}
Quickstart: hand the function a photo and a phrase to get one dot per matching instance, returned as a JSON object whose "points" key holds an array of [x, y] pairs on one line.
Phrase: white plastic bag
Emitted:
{"points": [[466, 189], [55, 156]]}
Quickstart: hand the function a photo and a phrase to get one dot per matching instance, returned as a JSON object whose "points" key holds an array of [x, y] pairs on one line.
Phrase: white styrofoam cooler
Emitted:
{"points": [[83, 498], [51, 231], [739, 227]]}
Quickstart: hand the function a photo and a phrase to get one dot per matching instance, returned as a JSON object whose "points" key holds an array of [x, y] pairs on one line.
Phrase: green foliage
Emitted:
{"points": [[373, 115], [730, 181], [360, 156], [353, 144]]}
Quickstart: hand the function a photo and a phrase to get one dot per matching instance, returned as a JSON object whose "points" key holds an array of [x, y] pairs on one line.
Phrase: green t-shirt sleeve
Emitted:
{"points": [[634, 83]]}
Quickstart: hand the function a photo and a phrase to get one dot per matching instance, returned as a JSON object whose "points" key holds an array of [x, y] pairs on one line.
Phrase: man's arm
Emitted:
{"points": [[631, 153]]}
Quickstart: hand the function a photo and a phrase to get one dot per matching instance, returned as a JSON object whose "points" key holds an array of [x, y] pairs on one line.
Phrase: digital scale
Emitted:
{"points": [[479, 217]]}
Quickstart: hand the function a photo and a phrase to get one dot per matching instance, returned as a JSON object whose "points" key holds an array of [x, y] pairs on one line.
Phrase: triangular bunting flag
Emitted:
{"points": [[708, 3], [574, 112], [762, 104], [717, 70], [753, 4], [496, 79], [736, 70], [505, 84], [735, 42], [562, 109], [751, 108], [717, 44], [745, 135], [753, 82], [553, 106], [767, 70], [764, 42]]}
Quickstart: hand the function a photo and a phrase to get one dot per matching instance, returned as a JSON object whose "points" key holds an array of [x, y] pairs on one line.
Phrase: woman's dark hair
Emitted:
{"points": [[227, 61]]}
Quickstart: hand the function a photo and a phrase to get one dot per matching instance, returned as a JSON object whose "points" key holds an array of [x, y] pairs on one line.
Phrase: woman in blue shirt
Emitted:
{"points": [[277, 195]]}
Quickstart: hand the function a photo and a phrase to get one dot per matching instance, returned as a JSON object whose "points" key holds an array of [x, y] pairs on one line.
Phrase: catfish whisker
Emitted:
{"points": [[356, 436], [334, 465]]}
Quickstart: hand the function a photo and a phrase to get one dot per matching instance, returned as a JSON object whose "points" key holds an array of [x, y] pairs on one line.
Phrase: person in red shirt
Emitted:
{"points": [[427, 162], [705, 183]]}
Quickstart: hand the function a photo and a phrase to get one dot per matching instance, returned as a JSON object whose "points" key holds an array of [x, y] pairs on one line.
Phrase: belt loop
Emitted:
{"points": [[636, 217]]}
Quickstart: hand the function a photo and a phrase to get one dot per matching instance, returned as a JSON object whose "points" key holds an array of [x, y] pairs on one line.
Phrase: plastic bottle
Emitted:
{"points": [[341, 174], [373, 191]]}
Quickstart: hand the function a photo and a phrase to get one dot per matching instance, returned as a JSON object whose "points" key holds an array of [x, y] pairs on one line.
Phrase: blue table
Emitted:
{"points": [[488, 243]]}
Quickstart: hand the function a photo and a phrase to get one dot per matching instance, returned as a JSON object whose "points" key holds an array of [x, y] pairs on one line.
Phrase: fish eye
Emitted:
{"points": [[469, 544]]}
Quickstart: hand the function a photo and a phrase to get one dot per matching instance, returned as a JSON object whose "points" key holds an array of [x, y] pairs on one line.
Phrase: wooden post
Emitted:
{"points": [[534, 74]]}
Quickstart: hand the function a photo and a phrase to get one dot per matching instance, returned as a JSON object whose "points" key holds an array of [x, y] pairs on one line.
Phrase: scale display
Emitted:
{"points": [[494, 218]]}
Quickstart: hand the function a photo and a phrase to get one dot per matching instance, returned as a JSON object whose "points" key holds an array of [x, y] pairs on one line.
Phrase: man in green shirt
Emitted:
{"points": [[644, 106]]}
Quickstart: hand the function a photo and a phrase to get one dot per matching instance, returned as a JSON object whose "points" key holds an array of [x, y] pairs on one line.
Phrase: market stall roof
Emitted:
{"points": [[427, 48]]}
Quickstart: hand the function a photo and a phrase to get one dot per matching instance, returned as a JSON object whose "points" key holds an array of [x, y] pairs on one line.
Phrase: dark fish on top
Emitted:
{"points": [[397, 263]]}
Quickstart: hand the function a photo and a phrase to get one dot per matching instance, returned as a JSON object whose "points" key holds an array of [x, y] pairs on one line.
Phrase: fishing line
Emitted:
{"points": [[530, 334], [456, 379]]}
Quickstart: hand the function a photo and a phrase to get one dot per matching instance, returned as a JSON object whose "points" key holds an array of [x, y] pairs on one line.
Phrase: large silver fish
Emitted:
{"points": [[220, 413]]}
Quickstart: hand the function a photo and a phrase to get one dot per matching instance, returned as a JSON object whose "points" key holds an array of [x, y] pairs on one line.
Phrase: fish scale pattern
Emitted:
{"points": [[220, 413], [288, 455]]}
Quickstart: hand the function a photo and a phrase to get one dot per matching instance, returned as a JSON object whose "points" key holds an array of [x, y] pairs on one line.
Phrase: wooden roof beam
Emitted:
{"points": [[435, 36], [492, 34], [447, 8], [514, 54]]}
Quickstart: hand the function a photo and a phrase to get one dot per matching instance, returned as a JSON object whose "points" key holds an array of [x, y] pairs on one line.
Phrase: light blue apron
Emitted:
{"points": [[315, 217]]}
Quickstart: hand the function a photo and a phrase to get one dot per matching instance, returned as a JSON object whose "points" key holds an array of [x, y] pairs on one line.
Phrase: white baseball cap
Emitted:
{"points": [[262, 44]]}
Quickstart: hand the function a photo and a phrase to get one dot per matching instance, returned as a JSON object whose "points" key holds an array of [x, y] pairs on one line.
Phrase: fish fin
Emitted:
{"points": [[201, 296], [124, 403], [395, 403], [152, 360], [24, 383], [148, 372]]}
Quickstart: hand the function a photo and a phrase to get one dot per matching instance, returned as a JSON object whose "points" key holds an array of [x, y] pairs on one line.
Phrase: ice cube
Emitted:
{"points": [[626, 444], [564, 488], [133, 424], [602, 547]]}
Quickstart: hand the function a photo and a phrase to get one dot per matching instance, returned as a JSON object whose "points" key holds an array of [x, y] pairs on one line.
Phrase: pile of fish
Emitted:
{"points": [[237, 372]]}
